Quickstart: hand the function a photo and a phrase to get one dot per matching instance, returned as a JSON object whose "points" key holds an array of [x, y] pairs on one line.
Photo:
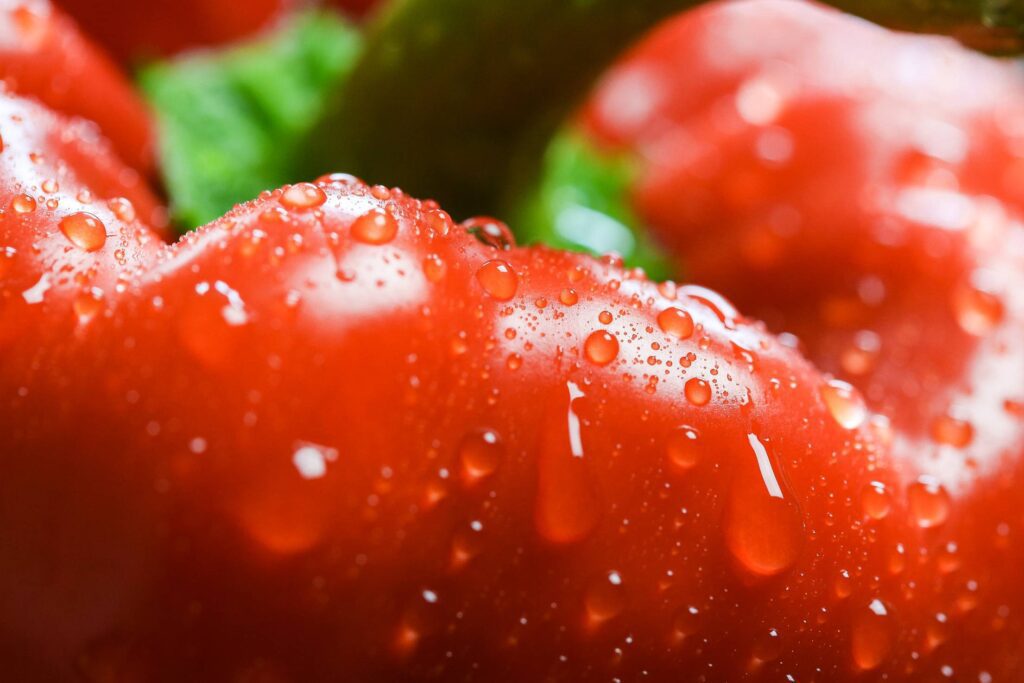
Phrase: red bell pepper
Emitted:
{"points": [[43, 55]]}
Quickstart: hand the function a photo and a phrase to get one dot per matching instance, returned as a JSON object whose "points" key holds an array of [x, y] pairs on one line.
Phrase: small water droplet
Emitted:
{"points": [[601, 347], [84, 230], [929, 502], [682, 448], [844, 403], [303, 196], [122, 208], [697, 391], [569, 297], [375, 227], [498, 279], [676, 322], [605, 317], [872, 636], [480, 453]]}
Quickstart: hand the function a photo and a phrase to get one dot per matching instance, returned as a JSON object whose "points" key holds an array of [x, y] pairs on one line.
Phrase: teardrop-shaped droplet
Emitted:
{"points": [[978, 308], [844, 403], [605, 599], [601, 347], [498, 279], [480, 453], [873, 635], [567, 507], [682, 448], [84, 230], [763, 527], [676, 322], [375, 227], [929, 503]]}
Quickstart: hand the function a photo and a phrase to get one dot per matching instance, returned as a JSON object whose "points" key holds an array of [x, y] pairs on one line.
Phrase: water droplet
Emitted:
{"points": [[303, 196], [860, 356], [601, 347], [7, 256], [569, 297], [498, 279], [88, 304], [763, 528], [480, 453], [872, 636], [604, 600], [844, 403], [698, 392], [767, 647], [682, 448], [122, 208], [605, 317], [951, 431], [685, 622], [929, 502], [23, 203], [375, 227], [676, 322], [490, 231], [977, 306], [466, 545], [567, 507], [84, 230], [715, 302], [875, 500], [434, 268], [310, 460], [843, 586]]}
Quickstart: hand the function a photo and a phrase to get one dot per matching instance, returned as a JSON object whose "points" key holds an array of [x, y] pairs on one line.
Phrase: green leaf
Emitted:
{"points": [[581, 202], [232, 121]]}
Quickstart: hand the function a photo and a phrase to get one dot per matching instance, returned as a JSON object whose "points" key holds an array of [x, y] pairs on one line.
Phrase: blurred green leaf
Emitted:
{"points": [[231, 122], [581, 202]]}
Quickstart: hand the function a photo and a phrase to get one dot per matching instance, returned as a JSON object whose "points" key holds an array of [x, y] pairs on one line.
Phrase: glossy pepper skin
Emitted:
{"points": [[793, 166], [44, 55], [336, 434]]}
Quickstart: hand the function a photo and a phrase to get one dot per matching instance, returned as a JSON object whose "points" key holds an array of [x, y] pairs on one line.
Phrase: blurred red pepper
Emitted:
{"points": [[43, 55]]}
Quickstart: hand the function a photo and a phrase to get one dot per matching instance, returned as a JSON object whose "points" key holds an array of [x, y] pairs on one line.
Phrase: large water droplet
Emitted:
{"points": [[84, 230], [875, 500], [697, 391], [498, 279], [303, 196], [682, 449], [873, 635], [676, 322], [844, 403], [567, 507], [490, 231], [601, 347], [375, 227], [929, 502], [763, 528], [604, 600], [23, 203], [480, 453]]}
